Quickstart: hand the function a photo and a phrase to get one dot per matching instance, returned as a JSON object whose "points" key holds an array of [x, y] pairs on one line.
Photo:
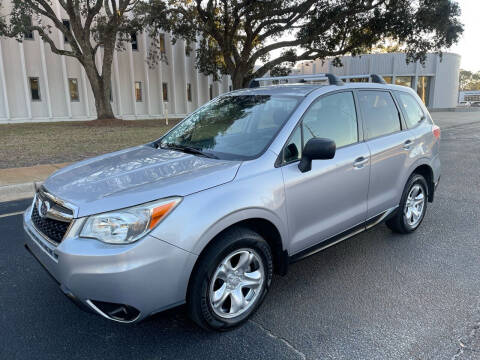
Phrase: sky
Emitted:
{"points": [[469, 45]]}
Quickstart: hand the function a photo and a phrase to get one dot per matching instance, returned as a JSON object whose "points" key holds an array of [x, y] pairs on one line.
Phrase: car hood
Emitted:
{"points": [[135, 176]]}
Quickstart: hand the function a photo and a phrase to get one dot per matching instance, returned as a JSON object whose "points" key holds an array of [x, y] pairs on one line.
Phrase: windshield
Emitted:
{"points": [[233, 127]]}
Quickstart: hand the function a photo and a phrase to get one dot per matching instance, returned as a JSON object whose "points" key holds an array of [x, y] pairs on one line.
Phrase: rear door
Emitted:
{"points": [[332, 196], [389, 148]]}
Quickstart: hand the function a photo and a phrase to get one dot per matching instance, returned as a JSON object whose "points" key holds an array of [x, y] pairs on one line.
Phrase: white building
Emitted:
{"points": [[436, 81], [37, 85]]}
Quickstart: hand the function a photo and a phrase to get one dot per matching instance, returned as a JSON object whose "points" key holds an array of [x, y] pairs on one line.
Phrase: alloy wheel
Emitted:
{"points": [[414, 205], [236, 283]]}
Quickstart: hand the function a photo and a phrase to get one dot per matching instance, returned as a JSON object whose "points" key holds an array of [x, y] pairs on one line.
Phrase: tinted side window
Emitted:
{"points": [[379, 112], [412, 111], [333, 117]]}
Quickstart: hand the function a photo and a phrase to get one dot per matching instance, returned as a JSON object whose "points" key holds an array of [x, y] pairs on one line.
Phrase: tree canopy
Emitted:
{"points": [[469, 80], [235, 35]]}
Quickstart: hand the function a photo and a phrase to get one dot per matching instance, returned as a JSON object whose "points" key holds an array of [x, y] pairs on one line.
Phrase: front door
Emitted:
{"points": [[332, 196]]}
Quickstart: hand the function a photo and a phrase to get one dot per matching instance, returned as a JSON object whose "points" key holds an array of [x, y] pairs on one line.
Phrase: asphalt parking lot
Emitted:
{"points": [[375, 296]]}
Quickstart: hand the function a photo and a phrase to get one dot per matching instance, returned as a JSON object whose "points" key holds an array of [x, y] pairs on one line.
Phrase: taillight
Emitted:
{"points": [[436, 131]]}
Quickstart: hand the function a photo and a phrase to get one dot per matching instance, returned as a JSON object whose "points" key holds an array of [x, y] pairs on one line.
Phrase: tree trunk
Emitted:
{"points": [[102, 102], [101, 89], [239, 81]]}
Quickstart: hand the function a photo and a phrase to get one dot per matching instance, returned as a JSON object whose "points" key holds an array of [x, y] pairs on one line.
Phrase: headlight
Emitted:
{"points": [[128, 225]]}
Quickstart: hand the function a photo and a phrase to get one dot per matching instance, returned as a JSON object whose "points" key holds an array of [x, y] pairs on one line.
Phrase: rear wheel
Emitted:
{"points": [[413, 206], [230, 280]]}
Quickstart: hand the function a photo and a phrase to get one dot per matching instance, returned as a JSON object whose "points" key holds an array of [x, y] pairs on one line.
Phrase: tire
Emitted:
{"points": [[215, 291], [406, 220]]}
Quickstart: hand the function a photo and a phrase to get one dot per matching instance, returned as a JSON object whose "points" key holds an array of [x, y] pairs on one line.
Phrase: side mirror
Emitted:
{"points": [[316, 149]]}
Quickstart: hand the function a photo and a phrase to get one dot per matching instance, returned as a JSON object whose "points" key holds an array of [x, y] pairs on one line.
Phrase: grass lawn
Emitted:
{"points": [[47, 143]]}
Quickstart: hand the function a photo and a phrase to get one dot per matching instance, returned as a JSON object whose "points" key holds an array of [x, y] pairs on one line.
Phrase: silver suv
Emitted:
{"points": [[248, 183]]}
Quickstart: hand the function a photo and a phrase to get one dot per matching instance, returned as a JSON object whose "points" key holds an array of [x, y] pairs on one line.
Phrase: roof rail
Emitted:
{"points": [[374, 77], [333, 79]]}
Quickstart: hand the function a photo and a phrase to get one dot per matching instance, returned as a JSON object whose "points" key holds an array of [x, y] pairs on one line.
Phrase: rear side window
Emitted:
{"points": [[379, 112], [332, 117], [411, 110]]}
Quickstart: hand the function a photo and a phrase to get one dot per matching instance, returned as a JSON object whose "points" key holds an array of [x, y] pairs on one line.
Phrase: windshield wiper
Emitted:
{"points": [[187, 149]]}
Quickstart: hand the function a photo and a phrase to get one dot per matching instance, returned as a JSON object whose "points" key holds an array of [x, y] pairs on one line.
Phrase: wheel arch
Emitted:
{"points": [[262, 225], [426, 171]]}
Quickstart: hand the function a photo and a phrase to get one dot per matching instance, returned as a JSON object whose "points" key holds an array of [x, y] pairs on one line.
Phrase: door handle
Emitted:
{"points": [[407, 144], [360, 162]]}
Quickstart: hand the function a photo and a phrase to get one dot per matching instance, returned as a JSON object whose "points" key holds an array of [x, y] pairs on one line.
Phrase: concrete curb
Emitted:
{"points": [[19, 183], [17, 191]]}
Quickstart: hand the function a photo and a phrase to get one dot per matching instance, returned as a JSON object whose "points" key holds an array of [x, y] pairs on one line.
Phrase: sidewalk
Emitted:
{"points": [[18, 183]]}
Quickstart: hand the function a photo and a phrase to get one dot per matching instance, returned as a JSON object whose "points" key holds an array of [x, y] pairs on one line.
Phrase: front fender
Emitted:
{"points": [[203, 215], [234, 218]]}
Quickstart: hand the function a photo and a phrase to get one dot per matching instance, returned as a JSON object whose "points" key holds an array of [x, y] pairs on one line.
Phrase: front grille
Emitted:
{"points": [[60, 208], [53, 229]]}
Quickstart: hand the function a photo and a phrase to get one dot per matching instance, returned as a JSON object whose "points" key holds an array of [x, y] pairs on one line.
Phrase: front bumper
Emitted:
{"points": [[149, 275]]}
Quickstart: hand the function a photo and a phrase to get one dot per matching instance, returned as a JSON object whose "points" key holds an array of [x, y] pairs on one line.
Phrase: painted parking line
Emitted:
{"points": [[12, 214]]}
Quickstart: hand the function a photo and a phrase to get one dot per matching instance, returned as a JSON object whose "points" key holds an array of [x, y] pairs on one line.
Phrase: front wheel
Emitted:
{"points": [[230, 280], [413, 206]]}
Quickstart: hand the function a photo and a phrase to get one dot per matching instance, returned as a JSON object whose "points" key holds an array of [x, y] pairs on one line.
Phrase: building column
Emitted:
{"points": [[147, 77], [85, 91], [116, 74], [61, 40], [197, 79], [370, 67], [394, 68], [45, 76], [172, 70], [4, 83], [216, 88], [28, 100], [132, 78], [184, 63], [160, 85], [415, 78]]}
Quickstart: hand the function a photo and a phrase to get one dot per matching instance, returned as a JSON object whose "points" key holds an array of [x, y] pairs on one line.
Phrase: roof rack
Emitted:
{"points": [[333, 79], [374, 77]]}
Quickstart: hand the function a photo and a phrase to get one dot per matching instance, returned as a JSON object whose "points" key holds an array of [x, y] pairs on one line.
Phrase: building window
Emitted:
{"points": [[404, 81], [163, 50], [388, 79], [165, 91], [73, 86], [187, 48], [28, 35], [138, 91], [134, 41], [66, 23], [423, 88], [35, 88], [189, 92], [211, 91]]}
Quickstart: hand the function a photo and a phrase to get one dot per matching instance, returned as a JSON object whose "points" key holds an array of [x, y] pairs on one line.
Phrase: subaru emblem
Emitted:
{"points": [[44, 208]]}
